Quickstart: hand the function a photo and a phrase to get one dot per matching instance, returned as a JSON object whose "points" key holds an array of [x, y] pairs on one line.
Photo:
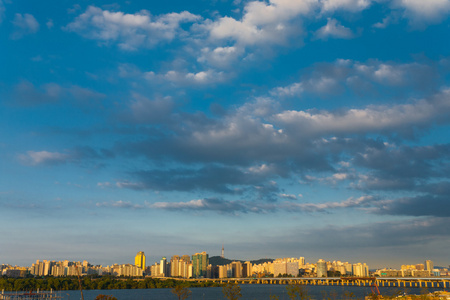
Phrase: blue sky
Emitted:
{"points": [[282, 128]]}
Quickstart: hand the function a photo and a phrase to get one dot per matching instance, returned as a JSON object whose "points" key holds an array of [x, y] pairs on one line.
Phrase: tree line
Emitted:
{"points": [[93, 283]]}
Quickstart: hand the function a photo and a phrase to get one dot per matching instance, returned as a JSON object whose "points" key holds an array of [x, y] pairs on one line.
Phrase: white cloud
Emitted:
{"points": [[43, 157], [192, 204], [363, 201], [370, 119], [333, 29], [294, 89], [349, 5], [222, 57], [420, 10], [288, 196], [332, 78], [129, 31], [262, 22], [389, 74], [23, 25], [188, 78], [130, 185]]}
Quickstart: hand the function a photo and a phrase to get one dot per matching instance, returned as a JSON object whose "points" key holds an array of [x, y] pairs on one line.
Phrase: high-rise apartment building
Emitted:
{"points": [[200, 262], [139, 260], [360, 270], [321, 269], [429, 266]]}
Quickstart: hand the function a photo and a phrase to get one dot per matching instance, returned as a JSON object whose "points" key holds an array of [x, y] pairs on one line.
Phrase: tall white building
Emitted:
{"points": [[321, 268]]}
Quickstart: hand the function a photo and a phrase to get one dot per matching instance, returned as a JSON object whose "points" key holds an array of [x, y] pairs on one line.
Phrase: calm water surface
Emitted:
{"points": [[249, 292]]}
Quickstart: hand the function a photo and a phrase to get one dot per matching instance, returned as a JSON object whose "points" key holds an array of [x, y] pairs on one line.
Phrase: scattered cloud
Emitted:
{"points": [[129, 31], [381, 234], [420, 12], [43, 158], [144, 110], [221, 57], [288, 196], [185, 78], [208, 204], [77, 154], [262, 23], [49, 24], [345, 75], [120, 204], [333, 29], [27, 94], [24, 24], [401, 118], [426, 205], [328, 6]]}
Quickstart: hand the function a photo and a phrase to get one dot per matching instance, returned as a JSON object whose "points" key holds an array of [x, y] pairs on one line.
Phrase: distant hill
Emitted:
{"points": [[219, 261]]}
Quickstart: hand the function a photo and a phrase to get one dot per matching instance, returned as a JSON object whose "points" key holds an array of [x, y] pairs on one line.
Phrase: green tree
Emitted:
{"points": [[181, 292], [297, 291], [231, 291]]}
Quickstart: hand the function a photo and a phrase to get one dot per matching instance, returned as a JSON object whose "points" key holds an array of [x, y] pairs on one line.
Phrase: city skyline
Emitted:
{"points": [[278, 128], [202, 267], [141, 260]]}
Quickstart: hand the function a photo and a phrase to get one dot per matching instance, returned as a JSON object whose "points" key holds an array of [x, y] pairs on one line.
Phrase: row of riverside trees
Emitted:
{"points": [[92, 283]]}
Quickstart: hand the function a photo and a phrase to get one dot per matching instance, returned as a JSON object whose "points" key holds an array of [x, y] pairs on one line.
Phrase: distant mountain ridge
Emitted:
{"points": [[219, 261]]}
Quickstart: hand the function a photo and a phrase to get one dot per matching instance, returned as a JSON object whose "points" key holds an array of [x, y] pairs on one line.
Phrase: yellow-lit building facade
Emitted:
{"points": [[139, 260]]}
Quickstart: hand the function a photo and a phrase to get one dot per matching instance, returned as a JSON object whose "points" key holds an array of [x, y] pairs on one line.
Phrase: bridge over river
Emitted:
{"points": [[410, 282]]}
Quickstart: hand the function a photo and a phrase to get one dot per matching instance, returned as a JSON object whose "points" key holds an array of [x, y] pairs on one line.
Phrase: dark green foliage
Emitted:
{"points": [[297, 291], [231, 291], [94, 283], [181, 292]]}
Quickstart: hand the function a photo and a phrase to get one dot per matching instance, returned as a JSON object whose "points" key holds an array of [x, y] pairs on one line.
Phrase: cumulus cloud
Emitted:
{"points": [[262, 22], [129, 31], [420, 12], [24, 24], [183, 78], [401, 168], [294, 89], [348, 5], [361, 77], [222, 57], [333, 29], [401, 118], [258, 143]]}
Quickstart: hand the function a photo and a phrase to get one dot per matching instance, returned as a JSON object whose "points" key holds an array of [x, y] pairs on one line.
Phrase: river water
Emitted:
{"points": [[248, 291]]}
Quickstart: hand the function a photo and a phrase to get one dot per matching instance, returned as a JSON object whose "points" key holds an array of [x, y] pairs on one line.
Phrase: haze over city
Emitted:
{"points": [[281, 128]]}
